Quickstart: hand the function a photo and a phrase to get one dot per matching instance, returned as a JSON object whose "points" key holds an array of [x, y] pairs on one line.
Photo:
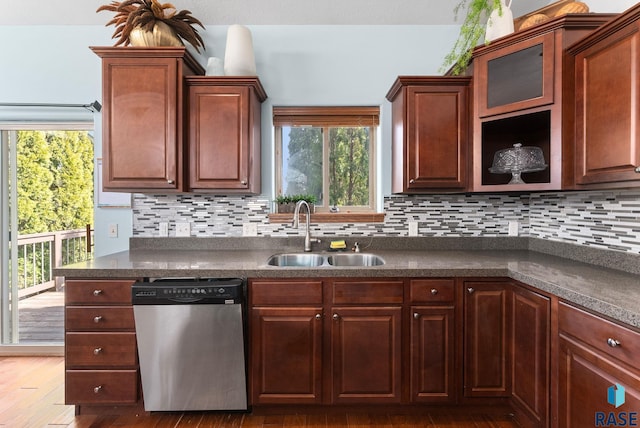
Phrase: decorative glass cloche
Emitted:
{"points": [[517, 160]]}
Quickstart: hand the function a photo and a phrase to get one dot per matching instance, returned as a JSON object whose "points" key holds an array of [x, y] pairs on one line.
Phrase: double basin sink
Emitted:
{"points": [[319, 260]]}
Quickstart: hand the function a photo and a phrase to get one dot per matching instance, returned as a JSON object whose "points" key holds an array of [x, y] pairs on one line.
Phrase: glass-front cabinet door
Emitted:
{"points": [[517, 77]]}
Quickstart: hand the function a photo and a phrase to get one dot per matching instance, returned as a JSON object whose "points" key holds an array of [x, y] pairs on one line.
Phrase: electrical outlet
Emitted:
{"points": [[163, 229], [183, 229], [513, 228], [249, 229], [413, 228], [113, 230]]}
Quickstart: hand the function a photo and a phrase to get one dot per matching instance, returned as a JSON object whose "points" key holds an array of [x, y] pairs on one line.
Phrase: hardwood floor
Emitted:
{"points": [[32, 391]]}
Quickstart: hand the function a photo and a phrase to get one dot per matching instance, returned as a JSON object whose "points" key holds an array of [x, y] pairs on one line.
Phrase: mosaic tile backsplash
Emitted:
{"points": [[604, 219]]}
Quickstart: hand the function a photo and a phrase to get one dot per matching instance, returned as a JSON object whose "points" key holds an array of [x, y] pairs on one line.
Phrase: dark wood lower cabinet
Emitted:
{"points": [[487, 354], [530, 344], [285, 343], [345, 342], [101, 359], [366, 355], [433, 360], [286, 355], [585, 379], [599, 373]]}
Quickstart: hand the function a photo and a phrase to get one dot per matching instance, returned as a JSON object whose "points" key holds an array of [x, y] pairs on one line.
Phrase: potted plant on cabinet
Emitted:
{"points": [[287, 203], [151, 23]]}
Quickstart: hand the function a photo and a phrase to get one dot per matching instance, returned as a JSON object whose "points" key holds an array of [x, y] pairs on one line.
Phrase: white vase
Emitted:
{"points": [[499, 25], [239, 59], [215, 67]]}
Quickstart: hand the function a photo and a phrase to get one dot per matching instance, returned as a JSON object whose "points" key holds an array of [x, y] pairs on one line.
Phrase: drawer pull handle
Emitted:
{"points": [[97, 389], [97, 351], [97, 292], [416, 315], [97, 319], [434, 291], [470, 290], [613, 342], [318, 316]]}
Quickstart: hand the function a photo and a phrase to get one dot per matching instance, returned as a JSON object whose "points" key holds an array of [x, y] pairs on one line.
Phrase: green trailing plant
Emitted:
{"points": [[144, 14], [471, 31]]}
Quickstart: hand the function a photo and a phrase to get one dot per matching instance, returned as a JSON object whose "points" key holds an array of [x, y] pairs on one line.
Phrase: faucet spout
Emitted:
{"points": [[296, 221]]}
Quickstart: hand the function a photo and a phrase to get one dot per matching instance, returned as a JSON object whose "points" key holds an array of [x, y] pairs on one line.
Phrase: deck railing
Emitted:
{"points": [[39, 253]]}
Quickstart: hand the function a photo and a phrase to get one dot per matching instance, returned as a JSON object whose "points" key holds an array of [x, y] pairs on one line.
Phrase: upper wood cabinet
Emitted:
{"points": [[143, 117], [167, 128], [523, 93], [608, 105], [224, 134], [430, 118]]}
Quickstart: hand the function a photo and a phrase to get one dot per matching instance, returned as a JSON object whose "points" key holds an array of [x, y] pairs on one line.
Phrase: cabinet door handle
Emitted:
{"points": [[470, 290], [97, 389], [434, 291], [318, 316], [97, 292], [97, 319], [170, 181], [97, 351], [613, 342], [336, 317], [637, 170], [243, 182], [412, 181], [416, 315]]}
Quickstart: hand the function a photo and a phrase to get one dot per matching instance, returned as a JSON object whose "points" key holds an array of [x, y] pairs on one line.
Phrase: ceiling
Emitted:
{"points": [[258, 12]]}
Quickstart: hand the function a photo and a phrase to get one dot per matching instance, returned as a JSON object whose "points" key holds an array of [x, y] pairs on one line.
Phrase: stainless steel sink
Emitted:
{"points": [[355, 259], [325, 260], [296, 259]]}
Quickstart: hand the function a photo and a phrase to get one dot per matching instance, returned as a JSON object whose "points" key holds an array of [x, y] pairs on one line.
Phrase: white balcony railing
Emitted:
{"points": [[39, 253]]}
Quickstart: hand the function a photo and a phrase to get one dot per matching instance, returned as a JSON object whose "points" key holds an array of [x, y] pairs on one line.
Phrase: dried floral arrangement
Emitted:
{"points": [[145, 14]]}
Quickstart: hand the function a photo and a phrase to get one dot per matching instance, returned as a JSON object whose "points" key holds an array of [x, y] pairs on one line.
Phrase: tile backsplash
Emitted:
{"points": [[603, 219]]}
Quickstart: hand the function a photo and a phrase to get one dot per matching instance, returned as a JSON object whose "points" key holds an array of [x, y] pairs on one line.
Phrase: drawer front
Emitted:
{"points": [[612, 339], [367, 292], [431, 290], [100, 349], [101, 386], [98, 318], [98, 291], [284, 292]]}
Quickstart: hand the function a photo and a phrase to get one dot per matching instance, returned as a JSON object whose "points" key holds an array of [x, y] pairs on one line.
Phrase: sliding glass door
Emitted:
{"points": [[8, 249], [46, 182]]}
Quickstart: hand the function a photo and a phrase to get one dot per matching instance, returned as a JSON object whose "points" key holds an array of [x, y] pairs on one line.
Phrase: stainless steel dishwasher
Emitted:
{"points": [[191, 346]]}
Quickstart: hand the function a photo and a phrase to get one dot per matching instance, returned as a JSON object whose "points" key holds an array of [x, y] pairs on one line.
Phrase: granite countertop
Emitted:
{"points": [[611, 292]]}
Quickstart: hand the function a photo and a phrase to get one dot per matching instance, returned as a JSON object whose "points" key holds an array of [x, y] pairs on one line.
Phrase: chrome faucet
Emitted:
{"points": [[296, 219]]}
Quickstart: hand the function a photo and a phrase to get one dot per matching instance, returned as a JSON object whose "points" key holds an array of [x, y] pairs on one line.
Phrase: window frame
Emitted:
{"points": [[325, 118]]}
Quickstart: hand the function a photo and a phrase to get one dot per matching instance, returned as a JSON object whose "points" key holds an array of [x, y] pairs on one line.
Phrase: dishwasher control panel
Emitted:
{"points": [[191, 291]]}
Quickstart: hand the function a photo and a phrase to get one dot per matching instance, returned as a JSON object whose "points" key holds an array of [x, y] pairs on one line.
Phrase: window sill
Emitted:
{"points": [[330, 218]]}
